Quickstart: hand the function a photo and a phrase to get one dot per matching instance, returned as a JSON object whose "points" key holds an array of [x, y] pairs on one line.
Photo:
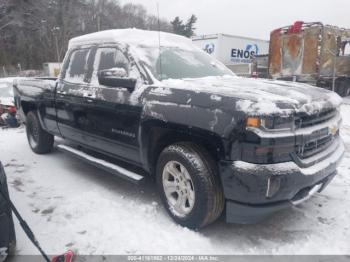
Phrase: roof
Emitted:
{"points": [[216, 36], [132, 37]]}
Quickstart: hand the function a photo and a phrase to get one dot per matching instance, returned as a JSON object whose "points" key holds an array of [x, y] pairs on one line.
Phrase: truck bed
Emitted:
{"points": [[33, 91], [32, 88]]}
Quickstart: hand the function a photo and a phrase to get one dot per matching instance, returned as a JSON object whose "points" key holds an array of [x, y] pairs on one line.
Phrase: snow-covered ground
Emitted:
{"points": [[70, 204]]}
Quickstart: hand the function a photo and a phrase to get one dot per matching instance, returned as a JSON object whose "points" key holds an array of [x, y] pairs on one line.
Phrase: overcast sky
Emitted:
{"points": [[252, 18]]}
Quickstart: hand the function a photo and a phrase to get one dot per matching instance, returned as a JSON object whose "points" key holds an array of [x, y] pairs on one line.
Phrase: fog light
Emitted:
{"points": [[273, 185]]}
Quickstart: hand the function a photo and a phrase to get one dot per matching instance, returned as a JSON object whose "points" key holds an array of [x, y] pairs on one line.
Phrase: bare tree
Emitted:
{"points": [[37, 31]]}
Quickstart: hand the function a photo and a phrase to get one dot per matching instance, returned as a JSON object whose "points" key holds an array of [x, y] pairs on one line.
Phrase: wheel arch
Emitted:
{"points": [[28, 106], [157, 135]]}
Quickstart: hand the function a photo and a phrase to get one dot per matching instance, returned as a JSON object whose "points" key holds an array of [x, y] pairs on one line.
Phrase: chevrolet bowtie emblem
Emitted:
{"points": [[333, 130]]}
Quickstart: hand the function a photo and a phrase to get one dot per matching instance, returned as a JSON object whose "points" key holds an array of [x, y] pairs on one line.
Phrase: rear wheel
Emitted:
{"points": [[40, 141], [189, 185]]}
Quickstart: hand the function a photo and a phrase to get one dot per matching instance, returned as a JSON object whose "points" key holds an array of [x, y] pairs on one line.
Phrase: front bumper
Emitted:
{"points": [[247, 187]]}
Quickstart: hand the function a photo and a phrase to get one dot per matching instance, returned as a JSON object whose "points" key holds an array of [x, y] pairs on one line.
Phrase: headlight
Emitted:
{"points": [[271, 123]]}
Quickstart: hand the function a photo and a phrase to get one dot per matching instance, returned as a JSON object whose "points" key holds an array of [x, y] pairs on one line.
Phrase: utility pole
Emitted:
{"points": [[99, 10], [55, 31], [98, 22], [4, 70], [20, 68], [42, 22]]}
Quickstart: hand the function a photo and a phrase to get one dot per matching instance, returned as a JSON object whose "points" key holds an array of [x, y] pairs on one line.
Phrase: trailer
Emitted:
{"points": [[236, 52], [312, 53]]}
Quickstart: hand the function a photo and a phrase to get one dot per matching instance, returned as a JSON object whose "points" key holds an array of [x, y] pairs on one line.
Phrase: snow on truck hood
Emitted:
{"points": [[262, 96]]}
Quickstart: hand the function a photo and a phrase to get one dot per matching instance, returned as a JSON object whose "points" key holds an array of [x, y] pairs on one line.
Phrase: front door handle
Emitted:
{"points": [[61, 93], [89, 100]]}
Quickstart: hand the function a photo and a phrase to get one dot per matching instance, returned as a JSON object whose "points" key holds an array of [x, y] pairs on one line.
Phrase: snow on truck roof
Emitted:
{"points": [[133, 37]]}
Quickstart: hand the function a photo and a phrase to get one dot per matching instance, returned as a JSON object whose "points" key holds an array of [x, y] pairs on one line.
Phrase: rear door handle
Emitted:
{"points": [[89, 100]]}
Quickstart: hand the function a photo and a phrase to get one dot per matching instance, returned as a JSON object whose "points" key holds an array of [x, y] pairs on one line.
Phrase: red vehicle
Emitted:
{"points": [[8, 113]]}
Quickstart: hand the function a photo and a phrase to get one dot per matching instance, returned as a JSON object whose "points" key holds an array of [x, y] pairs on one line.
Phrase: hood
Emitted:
{"points": [[260, 96]]}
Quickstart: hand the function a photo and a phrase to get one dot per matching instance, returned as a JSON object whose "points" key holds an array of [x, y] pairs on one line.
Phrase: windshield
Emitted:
{"points": [[175, 63], [6, 90]]}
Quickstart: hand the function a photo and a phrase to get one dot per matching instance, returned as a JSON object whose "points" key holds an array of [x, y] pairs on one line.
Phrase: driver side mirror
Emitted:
{"points": [[116, 77]]}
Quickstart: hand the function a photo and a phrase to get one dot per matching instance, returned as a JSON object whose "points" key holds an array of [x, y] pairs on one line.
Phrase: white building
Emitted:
{"points": [[236, 52]]}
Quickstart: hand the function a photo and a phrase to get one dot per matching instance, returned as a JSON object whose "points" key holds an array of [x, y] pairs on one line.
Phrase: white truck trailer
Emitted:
{"points": [[236, 52]]}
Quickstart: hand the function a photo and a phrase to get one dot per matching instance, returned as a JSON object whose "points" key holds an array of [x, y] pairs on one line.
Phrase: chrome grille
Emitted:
{"points": [[304, 120], [320, 139], [313, 147]]}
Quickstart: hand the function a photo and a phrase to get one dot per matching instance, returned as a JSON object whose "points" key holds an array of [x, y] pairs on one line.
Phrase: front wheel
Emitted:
{"points": [[39, 140], [189, 186]]}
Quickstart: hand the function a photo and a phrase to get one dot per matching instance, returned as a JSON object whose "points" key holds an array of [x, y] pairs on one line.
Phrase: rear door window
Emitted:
{"points": [[78, 66]]}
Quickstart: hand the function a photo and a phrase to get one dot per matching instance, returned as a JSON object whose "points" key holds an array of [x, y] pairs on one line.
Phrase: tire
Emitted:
{"points": [[340, 88], [39, 140], [343, 87], [187, 172]]}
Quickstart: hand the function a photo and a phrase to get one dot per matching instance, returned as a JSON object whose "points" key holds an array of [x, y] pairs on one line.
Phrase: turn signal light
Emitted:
{"points": [[253, 122]]}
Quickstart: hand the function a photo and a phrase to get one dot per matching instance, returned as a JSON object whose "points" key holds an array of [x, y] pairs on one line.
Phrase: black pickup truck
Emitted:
{"points": [[211, 139]]}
